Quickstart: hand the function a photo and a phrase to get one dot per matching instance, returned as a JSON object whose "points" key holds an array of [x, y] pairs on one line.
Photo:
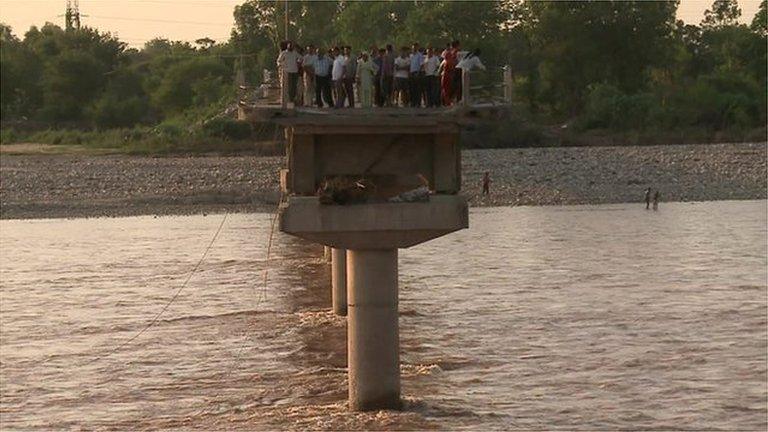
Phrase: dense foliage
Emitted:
{"points": [[620, 65]]}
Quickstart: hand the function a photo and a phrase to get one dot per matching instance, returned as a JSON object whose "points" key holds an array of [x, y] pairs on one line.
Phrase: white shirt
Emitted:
{"points": [[430, 65], [337, 72], [400, 62], [288, 61], [471, 63]]}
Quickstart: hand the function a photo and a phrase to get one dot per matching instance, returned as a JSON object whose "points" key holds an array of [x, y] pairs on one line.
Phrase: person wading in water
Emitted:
{"points": [[487, 183], [656, 198], [648, 198]]}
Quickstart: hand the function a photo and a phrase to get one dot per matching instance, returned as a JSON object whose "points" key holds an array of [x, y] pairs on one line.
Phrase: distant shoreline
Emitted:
{"points": [[80, 185]]}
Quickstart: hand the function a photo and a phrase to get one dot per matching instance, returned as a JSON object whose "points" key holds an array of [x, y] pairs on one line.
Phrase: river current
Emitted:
{"points": [[576, 317]]}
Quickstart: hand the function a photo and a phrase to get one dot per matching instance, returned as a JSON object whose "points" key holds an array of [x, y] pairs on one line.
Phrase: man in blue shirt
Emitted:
{"points": [[323, 79], [415, 77]]}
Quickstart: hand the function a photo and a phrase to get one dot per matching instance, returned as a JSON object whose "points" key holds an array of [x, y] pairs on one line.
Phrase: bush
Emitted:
{"points": [[227, 128], [609, 108], [720, 102], [112, 112], [168, 130], [8, 136]]}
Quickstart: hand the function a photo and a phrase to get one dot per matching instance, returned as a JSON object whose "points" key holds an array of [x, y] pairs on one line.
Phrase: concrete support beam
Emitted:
{"points": [[447, 164], [327, 254], [301, 164], [339, 281], [373, 344]]}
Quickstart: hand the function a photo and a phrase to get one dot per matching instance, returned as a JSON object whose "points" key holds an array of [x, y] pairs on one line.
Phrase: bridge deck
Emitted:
{"points": [[406, 116]]}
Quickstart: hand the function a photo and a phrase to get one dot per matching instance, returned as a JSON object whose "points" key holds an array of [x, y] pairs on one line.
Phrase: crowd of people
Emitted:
{"points": [[417, 76]]}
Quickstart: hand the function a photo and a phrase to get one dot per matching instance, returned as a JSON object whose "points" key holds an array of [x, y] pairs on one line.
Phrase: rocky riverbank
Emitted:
{"points": [[45, 186]]}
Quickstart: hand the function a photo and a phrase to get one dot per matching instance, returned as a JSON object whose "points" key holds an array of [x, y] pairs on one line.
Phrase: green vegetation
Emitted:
{"points": [[581, 69]]}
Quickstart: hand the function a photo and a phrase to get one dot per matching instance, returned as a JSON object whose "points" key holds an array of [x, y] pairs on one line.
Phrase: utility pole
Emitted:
{"points": [[286, 20]]}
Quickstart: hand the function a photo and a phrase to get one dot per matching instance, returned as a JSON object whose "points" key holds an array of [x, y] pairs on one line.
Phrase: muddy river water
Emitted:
{"points": [[574, 317]]}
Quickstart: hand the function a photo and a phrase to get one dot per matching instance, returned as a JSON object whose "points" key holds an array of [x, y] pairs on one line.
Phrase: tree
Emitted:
{"points": [[70, 82], [612, 42], [760, 21], [20, 70], [722, 13], [69, 67], [123, 103], [363, 24], [177, 90], [205, 43]]}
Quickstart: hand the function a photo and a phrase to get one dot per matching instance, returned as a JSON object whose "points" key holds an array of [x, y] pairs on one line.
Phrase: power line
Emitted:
{"points": [[162, 20], [121, 38], [188, 3]]}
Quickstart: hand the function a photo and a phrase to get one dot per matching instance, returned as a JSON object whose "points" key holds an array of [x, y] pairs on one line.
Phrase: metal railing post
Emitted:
{"points": [[508, 84], [465, 87], [284, 89]]}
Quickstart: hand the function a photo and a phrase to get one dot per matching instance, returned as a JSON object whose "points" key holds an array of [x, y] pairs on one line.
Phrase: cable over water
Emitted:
{"points": [[167, 304]]}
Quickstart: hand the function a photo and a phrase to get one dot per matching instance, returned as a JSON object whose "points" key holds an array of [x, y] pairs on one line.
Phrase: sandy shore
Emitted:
{"points": [[46, 186]]}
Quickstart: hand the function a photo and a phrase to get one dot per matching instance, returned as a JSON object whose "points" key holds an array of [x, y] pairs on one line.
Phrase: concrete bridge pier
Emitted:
{"points": [[367, 185], [373, 342], [339, 281]]}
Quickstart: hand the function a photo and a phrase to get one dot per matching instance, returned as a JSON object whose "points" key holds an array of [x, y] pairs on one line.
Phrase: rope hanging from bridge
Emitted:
{"points": [[167, 304]]}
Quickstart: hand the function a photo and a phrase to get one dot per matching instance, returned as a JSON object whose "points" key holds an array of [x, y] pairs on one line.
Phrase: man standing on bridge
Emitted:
{"points": [[337, 75], [415, 76], [323, 79], [308, 64], [288, 62], [432, 78], [366, 75], [350, 72]]}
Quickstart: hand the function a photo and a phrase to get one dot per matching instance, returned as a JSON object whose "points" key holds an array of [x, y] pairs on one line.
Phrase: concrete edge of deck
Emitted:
{"points": [[373, 226]]}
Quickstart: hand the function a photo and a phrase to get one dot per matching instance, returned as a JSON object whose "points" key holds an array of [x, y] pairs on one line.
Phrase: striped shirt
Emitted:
{"points": [[323, 66]]}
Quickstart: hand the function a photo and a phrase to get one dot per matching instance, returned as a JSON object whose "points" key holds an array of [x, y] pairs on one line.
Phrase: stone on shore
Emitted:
{"points": [[45, 186]]}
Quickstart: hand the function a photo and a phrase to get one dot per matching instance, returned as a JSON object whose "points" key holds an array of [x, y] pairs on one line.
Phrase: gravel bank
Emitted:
{"points": [[43, 186]]}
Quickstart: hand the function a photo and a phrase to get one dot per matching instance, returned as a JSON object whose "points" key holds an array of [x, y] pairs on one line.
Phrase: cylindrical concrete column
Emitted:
{"points": [[339, 281], [373, 338]]}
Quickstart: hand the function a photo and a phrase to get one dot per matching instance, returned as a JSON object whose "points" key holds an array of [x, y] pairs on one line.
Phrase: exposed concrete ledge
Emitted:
{"points": [[284, 181], [373, 226]]}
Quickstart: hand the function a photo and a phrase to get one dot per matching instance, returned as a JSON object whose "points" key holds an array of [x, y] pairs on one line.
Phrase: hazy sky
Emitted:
{"points": [[137, 21]]}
